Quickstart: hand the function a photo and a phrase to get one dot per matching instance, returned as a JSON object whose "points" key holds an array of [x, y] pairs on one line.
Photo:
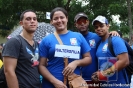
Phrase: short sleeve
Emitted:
{"points": [[12, 48], [43, 48]]}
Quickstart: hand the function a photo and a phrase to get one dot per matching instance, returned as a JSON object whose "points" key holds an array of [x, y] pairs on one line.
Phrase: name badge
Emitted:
{"points": [[67, 51]]}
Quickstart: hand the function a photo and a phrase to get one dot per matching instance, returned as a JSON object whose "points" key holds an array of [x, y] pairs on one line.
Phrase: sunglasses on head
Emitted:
{"points": [[80, 21]]}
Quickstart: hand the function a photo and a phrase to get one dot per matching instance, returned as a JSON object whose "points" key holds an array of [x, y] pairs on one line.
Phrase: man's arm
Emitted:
{"points": [[114, 33], [9, 70], [122, 62]]}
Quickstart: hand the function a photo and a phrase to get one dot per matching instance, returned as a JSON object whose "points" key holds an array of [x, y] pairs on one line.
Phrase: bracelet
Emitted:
{"points": [[108, 71], [113, 68]]}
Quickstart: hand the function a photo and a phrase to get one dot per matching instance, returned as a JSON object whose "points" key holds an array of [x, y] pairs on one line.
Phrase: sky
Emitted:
{"points": [[116, 19]]}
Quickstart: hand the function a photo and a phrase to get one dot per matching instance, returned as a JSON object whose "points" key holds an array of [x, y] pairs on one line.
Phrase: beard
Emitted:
{"points": [[83, 31], [100, 35], [30, 31], [60, 29]]}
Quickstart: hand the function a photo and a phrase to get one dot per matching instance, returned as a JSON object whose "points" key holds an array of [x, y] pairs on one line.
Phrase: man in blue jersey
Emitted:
{"points": [[82, 24], [111, 69]]}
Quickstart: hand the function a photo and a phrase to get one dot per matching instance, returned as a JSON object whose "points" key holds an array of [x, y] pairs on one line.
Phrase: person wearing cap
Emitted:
{"points": [[114, 75], [82, 24]]}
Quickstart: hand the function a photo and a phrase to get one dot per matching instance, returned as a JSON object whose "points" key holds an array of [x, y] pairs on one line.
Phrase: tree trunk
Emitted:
{"points": [[129, 18]]}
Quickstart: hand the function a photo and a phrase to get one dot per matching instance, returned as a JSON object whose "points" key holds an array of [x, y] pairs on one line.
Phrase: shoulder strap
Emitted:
{"points": [[130, 50], [58, 38], [61, 43], [65, 59], [110, 45]]}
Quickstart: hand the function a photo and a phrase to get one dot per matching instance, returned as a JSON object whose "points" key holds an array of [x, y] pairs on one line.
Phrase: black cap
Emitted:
{"points": [[80, 15]]}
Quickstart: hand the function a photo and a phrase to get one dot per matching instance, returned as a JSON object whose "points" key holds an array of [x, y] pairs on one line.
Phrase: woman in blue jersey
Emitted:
{"points": [[53, 71], [111, 70]]}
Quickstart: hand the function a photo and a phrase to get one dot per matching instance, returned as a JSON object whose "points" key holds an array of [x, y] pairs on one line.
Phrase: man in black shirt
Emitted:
{"points": [[20, 55]]}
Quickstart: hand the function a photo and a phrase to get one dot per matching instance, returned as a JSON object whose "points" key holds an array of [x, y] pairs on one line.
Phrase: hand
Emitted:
{"points": [[94, 77], [97, 76], [70, 68], [114, 33], [59, 84]]}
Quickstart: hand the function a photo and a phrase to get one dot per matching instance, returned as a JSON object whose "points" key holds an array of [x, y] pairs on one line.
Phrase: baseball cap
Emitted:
{"points": [[101, 19], [81, 14]]}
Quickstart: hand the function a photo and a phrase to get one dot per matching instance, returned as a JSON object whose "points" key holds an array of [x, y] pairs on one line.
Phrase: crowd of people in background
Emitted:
{"points": [[26, 60]]}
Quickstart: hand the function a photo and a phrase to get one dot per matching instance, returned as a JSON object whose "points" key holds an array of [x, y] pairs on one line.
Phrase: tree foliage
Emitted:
{"points": [[10, 11]]}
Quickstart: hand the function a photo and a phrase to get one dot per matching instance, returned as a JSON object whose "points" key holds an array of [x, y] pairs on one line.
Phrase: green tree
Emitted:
{"points": [[129, 17], [10, 11]]}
